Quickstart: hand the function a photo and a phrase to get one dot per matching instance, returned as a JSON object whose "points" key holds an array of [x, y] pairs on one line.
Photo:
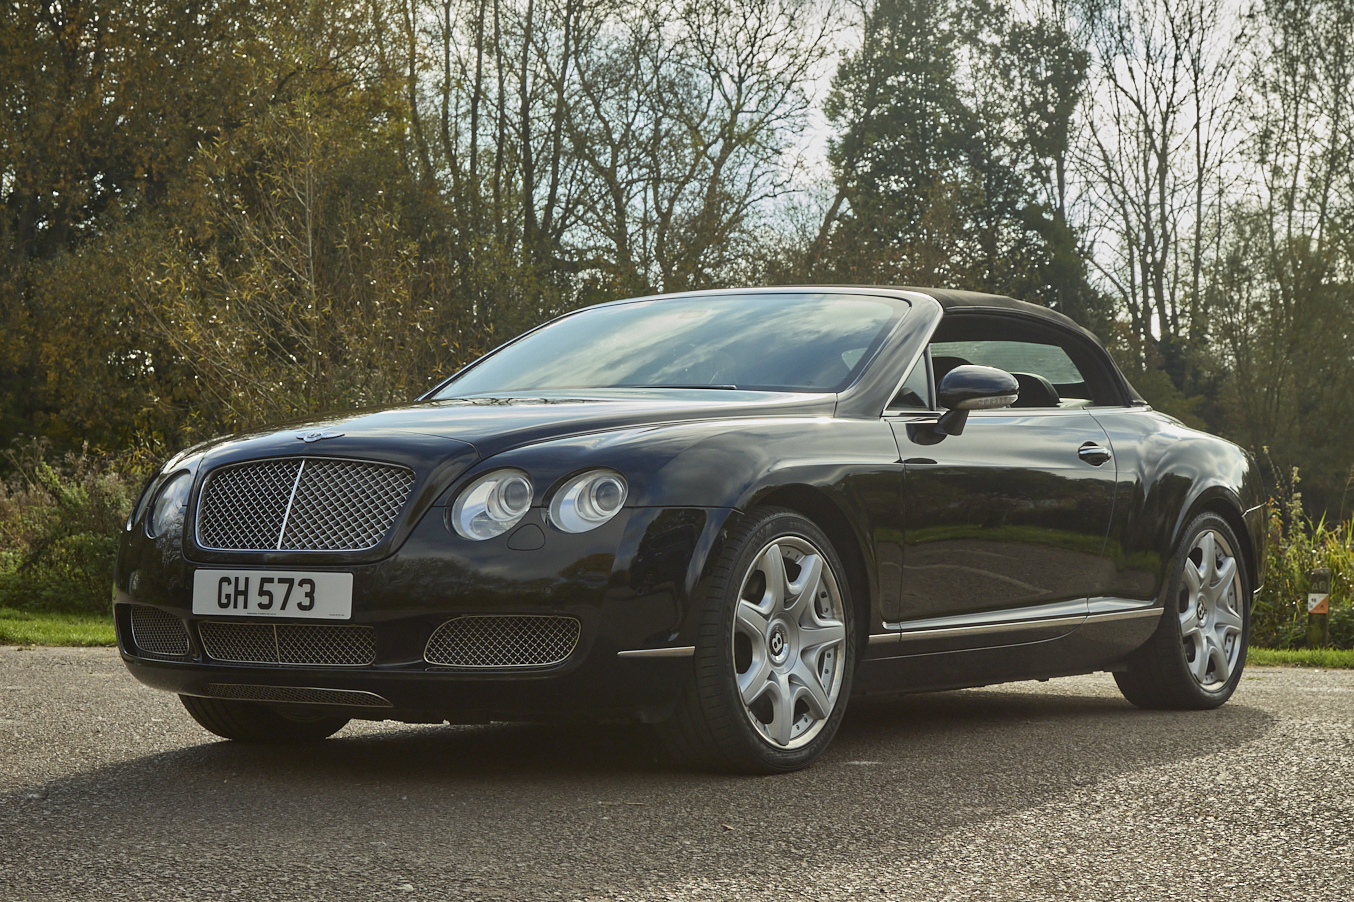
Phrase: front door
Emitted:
{"points": [[1005, 522]]}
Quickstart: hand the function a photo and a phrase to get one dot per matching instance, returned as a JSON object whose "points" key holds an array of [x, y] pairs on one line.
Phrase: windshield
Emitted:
{"points": [[757, 342]]}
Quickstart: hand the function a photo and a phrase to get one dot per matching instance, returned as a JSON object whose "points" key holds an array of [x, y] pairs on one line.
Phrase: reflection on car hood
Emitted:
{"points": [[495, 424]]}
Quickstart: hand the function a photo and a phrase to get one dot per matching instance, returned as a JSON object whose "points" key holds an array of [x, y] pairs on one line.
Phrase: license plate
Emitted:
{"points": [[273, 593]]}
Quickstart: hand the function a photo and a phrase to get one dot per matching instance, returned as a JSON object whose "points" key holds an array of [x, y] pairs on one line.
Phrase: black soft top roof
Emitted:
{"points": [[951, 299]]}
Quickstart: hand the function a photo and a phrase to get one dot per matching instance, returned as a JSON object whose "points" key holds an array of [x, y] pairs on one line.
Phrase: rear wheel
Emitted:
{"points": [[1195, 658], [254, 722], [775, 654]]}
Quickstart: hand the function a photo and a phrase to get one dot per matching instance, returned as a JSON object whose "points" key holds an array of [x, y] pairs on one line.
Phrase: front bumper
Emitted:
{"points": [[629, 584]]}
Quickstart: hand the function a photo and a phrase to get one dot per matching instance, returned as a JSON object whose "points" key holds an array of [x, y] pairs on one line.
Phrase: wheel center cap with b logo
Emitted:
{"points": [[778, 643]]}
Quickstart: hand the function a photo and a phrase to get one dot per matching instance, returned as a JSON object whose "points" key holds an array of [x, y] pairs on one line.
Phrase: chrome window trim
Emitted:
{"points": [[907, 370]]}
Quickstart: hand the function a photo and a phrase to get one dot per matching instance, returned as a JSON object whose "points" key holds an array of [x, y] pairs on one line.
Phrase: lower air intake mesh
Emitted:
{"points": [[297, 644], [503, 641], [157, 634], [302, 695]]}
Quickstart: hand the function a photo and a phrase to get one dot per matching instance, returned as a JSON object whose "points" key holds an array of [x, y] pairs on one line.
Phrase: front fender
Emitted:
{"points": [[843, 473], [729, 463]]}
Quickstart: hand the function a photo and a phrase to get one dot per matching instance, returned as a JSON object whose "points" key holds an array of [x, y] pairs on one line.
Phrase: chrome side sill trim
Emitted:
{"points": [[1071, 614], [985, 628], [1124, 615], [681, 651], [1057, 610]]}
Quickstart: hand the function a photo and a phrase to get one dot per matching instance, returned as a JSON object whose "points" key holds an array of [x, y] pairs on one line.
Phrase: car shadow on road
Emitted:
{"points": [[1028, 729], [569, 803]]}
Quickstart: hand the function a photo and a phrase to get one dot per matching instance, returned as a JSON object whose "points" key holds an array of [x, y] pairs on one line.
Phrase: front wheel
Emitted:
{"points": [[775, 654], [1195, 658], [254, 722]]}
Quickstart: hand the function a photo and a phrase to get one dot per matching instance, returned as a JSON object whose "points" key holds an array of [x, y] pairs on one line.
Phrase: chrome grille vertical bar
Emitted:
{"points": [[290, 501]]}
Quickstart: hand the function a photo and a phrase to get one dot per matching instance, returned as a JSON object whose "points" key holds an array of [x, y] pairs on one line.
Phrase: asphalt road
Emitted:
{"points": [[1030, 791]]}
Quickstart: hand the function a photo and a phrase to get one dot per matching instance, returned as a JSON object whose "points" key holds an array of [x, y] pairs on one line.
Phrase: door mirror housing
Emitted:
{"points": [[970, 387]]}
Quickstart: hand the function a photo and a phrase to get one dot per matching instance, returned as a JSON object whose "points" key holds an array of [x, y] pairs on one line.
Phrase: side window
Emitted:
{"points": [[916, 391], [1053, 369]]}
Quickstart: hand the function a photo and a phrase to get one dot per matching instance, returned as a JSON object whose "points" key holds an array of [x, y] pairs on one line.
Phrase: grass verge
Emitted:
{"points": [[1325, 658], [32, 628]]}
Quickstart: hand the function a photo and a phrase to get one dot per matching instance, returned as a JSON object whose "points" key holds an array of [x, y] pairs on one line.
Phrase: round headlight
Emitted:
{"points": [[588, 500], [170, 503], [492, 504]]}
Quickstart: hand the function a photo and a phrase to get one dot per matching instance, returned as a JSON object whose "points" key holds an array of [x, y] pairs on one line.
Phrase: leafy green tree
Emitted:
{"points": [[1042, 70], [104, 105], [940, 177], [900, 154]]}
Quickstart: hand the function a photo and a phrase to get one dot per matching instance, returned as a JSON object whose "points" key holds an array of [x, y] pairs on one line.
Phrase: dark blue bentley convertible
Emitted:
{"points": [[723, 513]]}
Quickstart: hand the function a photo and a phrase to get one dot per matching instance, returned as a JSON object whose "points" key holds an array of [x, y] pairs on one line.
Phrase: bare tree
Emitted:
{"points": [[1163, 129], [1283, 288], [683, 116]]}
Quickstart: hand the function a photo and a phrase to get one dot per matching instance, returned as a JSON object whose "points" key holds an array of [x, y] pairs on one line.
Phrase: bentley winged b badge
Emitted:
{"points": [[316, 436]]}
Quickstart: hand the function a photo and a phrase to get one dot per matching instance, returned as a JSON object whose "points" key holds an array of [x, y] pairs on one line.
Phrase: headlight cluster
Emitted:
{"points": [[170, 502], [492, 504], [496, 502], [142, 502], [587, 501]]}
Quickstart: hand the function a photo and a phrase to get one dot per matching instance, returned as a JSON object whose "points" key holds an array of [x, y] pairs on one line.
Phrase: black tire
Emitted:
{"points": [[1163, 673], [712, 727], [254, 722]]}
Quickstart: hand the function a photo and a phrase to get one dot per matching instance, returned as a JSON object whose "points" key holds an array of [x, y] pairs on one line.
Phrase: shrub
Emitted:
{"points": [[59, 523], [1297, 545]]}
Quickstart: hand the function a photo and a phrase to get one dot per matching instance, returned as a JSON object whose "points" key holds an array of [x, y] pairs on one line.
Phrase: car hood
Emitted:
{"points": [[490, 425]]}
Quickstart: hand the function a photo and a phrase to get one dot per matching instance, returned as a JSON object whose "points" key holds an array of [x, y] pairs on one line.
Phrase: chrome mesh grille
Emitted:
{"points": [[243, 507], [345, 504], [158, 634], [503, 641], [301, 504], [296, 694], [289, 644]]}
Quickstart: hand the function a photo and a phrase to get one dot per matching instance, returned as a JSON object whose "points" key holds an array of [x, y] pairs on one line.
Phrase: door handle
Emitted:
{"points": [[1093, 454]]}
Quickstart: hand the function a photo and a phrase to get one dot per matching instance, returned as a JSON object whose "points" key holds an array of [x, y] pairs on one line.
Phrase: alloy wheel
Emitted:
{"points": [[789, 642], [1209, 605]]}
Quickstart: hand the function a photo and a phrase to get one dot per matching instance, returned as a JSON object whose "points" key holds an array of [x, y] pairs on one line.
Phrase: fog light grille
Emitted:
{"points": [[290, 644], [158, 634], [503, 641], [303, 695]]}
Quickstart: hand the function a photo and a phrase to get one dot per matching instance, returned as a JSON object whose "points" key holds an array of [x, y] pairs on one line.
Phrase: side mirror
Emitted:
{"points": [[970, 387]]}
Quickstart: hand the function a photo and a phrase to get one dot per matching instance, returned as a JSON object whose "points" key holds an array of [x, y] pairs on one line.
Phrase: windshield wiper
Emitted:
{"points": [[703, 385]]}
